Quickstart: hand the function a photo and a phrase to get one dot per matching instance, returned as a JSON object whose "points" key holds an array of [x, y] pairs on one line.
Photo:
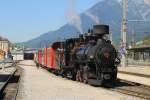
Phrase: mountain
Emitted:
{"points": [[106, 12]]}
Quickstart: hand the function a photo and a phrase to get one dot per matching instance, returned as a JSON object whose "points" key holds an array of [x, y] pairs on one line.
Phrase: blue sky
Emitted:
{"points": [[22, 20]]}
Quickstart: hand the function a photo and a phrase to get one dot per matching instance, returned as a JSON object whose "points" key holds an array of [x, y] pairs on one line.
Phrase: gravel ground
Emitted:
{"points": [[136, 69], [38, 84], [134, 78]]}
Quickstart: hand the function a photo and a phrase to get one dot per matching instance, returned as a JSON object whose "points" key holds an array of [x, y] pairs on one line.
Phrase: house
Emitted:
{"points": [[4, 47]]}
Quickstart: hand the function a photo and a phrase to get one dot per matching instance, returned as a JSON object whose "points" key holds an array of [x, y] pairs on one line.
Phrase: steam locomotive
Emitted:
{"points": [[91, 58]]}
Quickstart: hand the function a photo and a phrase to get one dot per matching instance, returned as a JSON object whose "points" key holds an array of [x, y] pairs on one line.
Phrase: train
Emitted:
{"points": [[90, 58]]}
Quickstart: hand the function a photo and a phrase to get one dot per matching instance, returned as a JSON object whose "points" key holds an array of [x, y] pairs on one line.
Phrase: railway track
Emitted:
{"points": [[136, 74], [10, 90], [130, 88]]}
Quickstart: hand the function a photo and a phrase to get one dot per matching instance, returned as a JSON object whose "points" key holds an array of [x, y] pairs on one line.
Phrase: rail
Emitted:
{"points": [[130, 88], [136, 74]]}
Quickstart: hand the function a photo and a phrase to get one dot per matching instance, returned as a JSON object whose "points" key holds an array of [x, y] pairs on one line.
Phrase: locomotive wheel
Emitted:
{"points": [[114, 76], [78, 76], [73, 76], [85, 78], [63, 73], [85, 75]]}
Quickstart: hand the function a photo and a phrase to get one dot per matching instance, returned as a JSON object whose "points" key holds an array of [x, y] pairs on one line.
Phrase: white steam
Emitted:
{"points": [[147, 2], [93, 17], [73, 17]]}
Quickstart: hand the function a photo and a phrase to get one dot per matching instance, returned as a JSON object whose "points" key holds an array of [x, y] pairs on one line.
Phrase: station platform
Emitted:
{"points": [[37, 83], [135, 73]]}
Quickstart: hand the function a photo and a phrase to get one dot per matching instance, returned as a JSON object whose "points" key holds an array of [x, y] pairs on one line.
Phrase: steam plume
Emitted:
{"points": [[93, 17], [147, 2], [73, 17]]}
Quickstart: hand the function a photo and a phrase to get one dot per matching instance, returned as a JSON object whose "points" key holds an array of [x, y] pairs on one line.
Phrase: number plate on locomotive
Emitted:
{"points": [[106, 76]]}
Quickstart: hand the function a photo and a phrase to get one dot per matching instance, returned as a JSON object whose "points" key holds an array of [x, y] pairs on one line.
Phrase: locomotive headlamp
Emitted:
{"points": [[117, 61]]}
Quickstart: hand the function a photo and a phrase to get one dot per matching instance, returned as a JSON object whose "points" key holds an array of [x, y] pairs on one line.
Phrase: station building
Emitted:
{"points": [[4, 47], [17, 55], [139, 55]]}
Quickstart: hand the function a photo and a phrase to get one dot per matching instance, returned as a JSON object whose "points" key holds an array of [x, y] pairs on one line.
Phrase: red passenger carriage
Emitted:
{"points": [[49, 57], [40, 57]]}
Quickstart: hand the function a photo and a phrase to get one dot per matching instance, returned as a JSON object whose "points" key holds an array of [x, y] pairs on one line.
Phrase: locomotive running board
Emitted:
{"points": [[95, 82]]}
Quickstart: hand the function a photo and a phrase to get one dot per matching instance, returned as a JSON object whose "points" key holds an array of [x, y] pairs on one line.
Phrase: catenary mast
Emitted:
{"points": [[124, 32]]}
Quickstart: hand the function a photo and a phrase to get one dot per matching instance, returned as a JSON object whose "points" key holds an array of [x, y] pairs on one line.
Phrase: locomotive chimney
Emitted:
{"points": [[90, 31], [81, 38], [100, 29], [80, 35]]}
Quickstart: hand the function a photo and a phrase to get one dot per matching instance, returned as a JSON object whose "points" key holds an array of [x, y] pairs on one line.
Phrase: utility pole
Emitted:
{"points": [[124, 32]]}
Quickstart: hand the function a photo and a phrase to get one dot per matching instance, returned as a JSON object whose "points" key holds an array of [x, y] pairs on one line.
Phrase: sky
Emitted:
{"points": [[22, 20]]}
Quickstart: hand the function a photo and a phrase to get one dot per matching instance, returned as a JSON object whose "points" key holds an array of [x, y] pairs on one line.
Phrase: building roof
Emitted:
{"points": [[140, 48], [17, 52], [3, 39]]}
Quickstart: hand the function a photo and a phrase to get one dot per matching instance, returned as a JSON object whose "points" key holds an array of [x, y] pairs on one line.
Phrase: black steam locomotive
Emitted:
{"points": [[91, 58]]}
